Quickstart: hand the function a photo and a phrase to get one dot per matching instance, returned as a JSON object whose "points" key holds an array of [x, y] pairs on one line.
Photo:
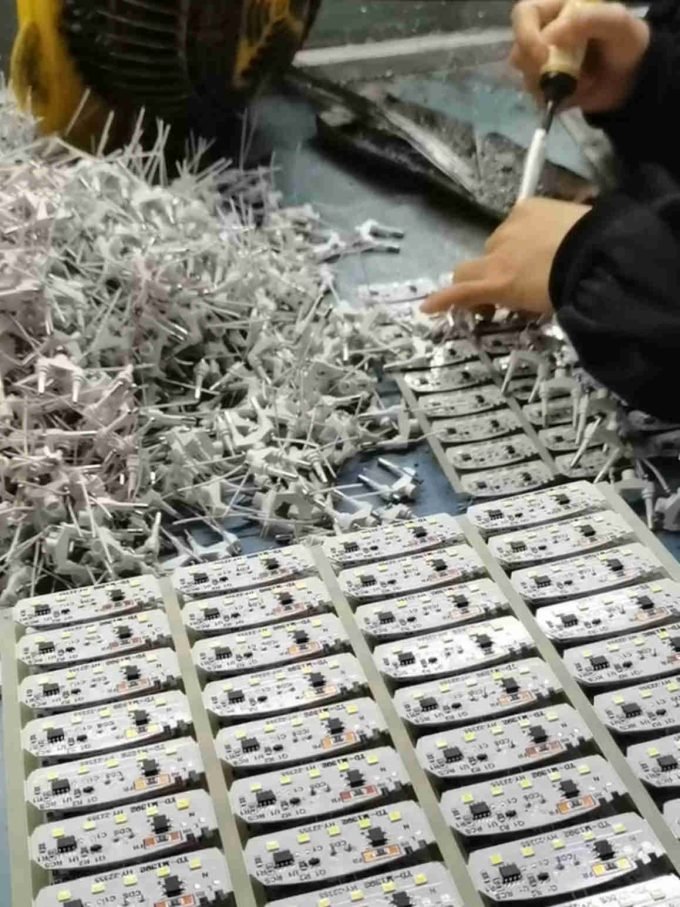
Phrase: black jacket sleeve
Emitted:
{"points": [[615, 286], [645, 129]]}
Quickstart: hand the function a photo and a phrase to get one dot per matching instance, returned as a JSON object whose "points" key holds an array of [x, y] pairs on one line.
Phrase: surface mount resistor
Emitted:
{"points": [[462, 402], [75, 606], [453, 651], [520, 803], [101, 639], [301, 736], [558, 540], [407, 575], [409, 615], [111, 779], [197, 878], [587, 574], [423, 885], [246, 572], [611, 613], [493, 454], [651, 707], [507, 480], [475, 428], [394, 540], [85, 732], [136, 831], [101, 681], [647, 655], [448, 378], [567, 861], [492, 747], [330, 787], [475, 696], [347, 846], [657, 761], [291, 687], [264, 647], [257, 607]]}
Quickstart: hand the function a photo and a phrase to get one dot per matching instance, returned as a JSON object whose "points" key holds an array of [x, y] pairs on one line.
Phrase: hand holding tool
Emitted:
{"points": [[559, 78]]}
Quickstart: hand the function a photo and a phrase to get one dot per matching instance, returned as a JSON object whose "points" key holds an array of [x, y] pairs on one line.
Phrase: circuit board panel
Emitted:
{"points": [[381, 747]]}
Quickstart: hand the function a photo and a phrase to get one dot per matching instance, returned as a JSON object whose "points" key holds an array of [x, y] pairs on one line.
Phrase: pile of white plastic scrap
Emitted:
{"points": [[170, 346]]}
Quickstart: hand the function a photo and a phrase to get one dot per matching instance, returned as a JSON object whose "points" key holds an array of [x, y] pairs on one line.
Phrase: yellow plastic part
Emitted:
{"points": [[270, 15], [45, 79]]}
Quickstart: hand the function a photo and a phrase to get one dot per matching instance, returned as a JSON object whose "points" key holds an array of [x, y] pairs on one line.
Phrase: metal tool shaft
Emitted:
{"points": [[559, 78]]}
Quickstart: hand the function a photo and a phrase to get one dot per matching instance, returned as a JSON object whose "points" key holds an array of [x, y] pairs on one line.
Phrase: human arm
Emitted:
{"points": [[611, 274], [615, 287], [630, 83]]}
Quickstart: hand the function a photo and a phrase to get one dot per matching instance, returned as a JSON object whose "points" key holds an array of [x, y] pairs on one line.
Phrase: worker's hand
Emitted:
{"points": [[617, 41], [515, 271]]}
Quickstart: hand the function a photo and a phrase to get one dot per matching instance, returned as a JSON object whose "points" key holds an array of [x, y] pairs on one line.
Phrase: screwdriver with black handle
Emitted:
{"points": [[559, 78]]}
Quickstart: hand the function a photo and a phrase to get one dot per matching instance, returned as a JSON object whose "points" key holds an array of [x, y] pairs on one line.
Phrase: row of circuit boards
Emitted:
{"points": [[503, 429], [599, 606], [388, 726], [322, 796], [114, 778]]}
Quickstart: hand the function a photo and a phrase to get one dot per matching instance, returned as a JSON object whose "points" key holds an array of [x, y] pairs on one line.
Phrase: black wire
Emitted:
{"points": [[549, 116]]}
